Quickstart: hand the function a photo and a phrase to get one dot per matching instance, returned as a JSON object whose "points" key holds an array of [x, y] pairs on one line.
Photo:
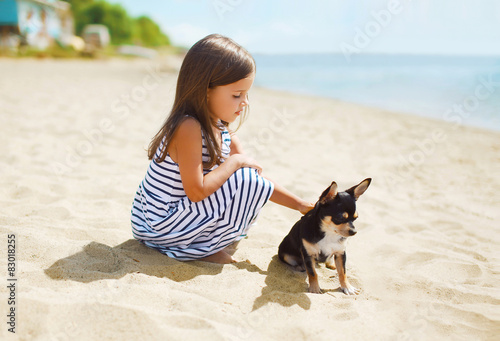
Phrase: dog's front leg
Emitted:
{"points": [[347, 288], [310, 264]]}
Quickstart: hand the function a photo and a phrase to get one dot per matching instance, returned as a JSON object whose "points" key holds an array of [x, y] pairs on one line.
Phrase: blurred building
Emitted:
{"points": [[36, 23]]}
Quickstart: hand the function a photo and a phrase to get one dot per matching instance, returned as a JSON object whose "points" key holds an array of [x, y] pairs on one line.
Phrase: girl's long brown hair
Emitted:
{"points": [[213, 61]]}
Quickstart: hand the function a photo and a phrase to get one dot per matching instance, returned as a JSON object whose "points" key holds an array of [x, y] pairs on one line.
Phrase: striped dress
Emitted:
{"points": [[165, 219]]}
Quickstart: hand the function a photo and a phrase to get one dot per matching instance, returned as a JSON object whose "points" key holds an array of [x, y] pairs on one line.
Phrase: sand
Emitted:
{"points": [[73, 140]]}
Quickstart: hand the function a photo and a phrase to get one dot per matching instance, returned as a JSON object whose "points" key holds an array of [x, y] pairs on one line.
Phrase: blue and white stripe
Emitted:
{"points": [[165, 219]]}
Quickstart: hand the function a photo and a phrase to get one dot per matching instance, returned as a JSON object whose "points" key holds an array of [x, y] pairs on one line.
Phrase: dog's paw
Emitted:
{"points": [[315, 289], [300, 268], [350, 290]]}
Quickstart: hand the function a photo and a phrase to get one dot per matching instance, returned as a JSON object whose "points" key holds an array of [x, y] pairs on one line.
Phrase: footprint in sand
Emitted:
{"points": [[440, 245], [21, 192], [345, 309], [414, 228], [457, 272], [189, 322], [59, 213]]}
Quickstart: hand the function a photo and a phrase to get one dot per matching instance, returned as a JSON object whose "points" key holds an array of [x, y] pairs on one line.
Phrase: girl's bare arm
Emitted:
{"points": [[280, 194], [186, 150]]}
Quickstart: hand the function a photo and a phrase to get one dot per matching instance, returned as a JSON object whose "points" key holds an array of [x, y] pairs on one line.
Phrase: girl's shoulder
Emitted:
{"points": [[188, 129], [190, 122]]}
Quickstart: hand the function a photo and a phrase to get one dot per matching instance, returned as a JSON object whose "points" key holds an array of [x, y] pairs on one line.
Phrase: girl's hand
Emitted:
{"points": [[305, 207], [243, 160]]}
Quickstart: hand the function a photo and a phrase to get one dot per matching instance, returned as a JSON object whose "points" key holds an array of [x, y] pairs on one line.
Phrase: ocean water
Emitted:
{"points": [[459, 89]]}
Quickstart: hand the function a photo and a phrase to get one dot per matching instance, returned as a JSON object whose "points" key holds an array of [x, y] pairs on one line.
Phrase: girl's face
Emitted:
{"points": [[226, 102]]}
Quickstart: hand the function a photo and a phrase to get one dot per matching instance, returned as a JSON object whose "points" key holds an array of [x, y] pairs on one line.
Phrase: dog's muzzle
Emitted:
{"points": [[352, 230]]}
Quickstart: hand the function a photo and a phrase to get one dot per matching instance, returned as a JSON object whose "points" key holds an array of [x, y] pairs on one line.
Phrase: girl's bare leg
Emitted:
{"points": [[221, 257], [231, 249]]}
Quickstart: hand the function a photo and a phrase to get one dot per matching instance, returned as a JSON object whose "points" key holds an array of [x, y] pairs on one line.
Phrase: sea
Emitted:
{"points": [[459, 89]]}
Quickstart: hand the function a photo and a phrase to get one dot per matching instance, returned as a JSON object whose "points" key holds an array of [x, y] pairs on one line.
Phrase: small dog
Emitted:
{"points": [[321, 235]]}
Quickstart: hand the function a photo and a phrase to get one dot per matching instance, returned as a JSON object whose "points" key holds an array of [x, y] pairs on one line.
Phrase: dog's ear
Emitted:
{"points": [[359, 189], [329, 193]]}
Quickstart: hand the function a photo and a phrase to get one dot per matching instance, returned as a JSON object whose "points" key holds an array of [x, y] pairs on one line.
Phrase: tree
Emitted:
{"points": [[122, 28], [148, 33], [114, 16], [76, 5]]}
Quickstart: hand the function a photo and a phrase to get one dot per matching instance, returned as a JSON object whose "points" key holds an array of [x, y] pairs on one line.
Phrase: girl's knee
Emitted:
{"points": [[247, 175], [250, 177]]}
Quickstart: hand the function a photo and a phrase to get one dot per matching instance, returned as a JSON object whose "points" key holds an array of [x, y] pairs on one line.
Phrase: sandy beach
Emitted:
{"points": [[73, 140]]}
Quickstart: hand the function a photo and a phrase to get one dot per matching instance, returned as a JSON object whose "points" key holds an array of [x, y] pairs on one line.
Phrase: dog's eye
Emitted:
{"points": [[340, 218]]}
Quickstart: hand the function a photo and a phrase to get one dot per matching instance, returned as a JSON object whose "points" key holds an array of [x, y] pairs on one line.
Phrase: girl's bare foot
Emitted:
{"points": [[231, 249], [220, 257]]}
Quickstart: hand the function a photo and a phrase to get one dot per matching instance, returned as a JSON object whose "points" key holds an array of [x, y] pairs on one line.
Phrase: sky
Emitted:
{"points": [[444, 27]]}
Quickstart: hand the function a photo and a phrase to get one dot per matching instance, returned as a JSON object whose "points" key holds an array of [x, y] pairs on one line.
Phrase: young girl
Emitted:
{"points": [[201, 192]]}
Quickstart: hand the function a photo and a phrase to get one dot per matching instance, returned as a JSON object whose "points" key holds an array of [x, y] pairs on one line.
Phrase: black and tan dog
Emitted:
{"points": [[320, 235]]}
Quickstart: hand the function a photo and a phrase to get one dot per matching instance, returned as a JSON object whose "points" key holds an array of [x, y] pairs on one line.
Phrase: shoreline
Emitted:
{"points": [[395, 111], [403, 114], [446, 87]]}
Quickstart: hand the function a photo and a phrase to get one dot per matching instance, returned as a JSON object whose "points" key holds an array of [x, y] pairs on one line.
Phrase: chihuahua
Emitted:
{"points": [[321, 234]]}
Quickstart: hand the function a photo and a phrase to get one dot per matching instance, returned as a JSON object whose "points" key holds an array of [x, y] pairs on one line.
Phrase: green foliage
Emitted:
{"points": [[148, 33], [54, 51], [77, 5], [115, 17], [122, 28]]}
